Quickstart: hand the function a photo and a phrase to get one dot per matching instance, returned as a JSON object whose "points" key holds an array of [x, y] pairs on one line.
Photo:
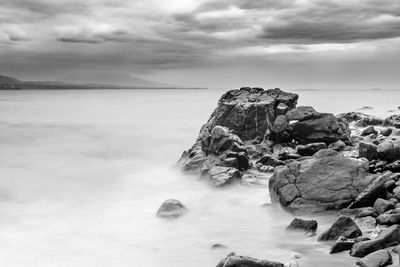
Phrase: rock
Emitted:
{"points": [[394, 166], [386, 131], [366, 108], [243, 261], [389, 150], [382, 205], [310, 149], [393, 121], [220, 176], [308, 226], [388, 219], [360, 212], [171, 208], [301, 113], [342, 244], [362, 119], [328, 180], [338, 145], [255, 178], [374, 191], [270, 161], [366, 223], [387, 238], [380, 258], [344, 226], [320, 127], [218, 246], [280, 124], [281, 109], [369, 130], [367, 150]]}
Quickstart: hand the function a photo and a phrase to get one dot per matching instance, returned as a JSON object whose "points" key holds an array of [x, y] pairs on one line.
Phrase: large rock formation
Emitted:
{"points": [[328, 180]]}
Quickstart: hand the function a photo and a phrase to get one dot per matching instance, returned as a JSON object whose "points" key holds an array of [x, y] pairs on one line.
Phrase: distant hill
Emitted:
{"points": [[8, 80]]}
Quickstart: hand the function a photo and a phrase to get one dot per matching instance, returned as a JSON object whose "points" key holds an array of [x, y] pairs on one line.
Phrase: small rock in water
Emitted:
{"points": [[218, 246], [243, 261], [344, 226], [308, 226], [171, 208], [369, 130], [380, 258]]}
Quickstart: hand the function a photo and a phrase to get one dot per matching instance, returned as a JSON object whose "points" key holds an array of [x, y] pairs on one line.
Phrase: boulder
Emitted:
{"points": [[388, 219], [380, 258], [369, 130], [310, 149], [301, 113], [387, 238], [307, 226], [280, 124], [243, 261], [362, 118], [366, 223], [321, 127], [342, 244], [389, 150], [328, 180], [382, 205], [171, 208], [338, 145], [220, 176], [344, 226], [386, 131], [367, 150], [359, 212]]}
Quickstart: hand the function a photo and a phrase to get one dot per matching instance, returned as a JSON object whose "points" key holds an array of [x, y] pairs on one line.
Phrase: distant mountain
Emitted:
{"points": [[8, 80]]}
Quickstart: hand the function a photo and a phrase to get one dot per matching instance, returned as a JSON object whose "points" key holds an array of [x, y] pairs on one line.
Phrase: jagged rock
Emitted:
{"points": [[388, 219], [243, 261], [387, 238], [321, 127], [369, 130], [338, 145], [389, 150], [220, 176], [380, 258], [374, 191], [344, 226], [270, 161], [367, 150], [342, 244], [386, 131], [310, 149], [301, 113], [171, 208], [382, 205], [307, 226], [328, 180]]}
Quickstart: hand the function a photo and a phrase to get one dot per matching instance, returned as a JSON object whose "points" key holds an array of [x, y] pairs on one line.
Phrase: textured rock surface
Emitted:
{"points": [[344, 226], [307, 226], [328, 180], [243, 261], [171, 208], [380, 258]]}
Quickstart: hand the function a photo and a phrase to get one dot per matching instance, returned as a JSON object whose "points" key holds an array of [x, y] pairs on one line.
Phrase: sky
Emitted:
{"points": [[301, 44]]}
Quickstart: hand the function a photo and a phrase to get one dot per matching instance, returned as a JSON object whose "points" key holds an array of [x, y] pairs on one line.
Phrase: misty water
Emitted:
{"points": [[82, 174]]}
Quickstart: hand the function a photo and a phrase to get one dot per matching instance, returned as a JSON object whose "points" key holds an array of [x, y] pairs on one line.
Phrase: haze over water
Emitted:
{"points": [[82, 174]]}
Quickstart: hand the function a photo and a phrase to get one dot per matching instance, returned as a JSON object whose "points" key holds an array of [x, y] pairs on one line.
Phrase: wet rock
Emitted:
{"points": [[320, 127], [310, 149], [270, 161], [359, 212], [301, 113], [382, 205], [366, 223], [380, 258], [243, 261], [280, 124], [387, 238], [342, 244], [344, 226], [369, 130], [281, 109], [328, 180], [366, 108], [389, 150], [308, 226], [218, 246], [367, 150], [388, 219], [171, 208], [220, 176], [337, 146], [386, 131], [255, 179]]}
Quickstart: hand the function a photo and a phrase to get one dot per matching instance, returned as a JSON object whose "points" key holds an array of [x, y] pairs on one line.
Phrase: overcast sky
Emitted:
{"points": [[221, 43]]}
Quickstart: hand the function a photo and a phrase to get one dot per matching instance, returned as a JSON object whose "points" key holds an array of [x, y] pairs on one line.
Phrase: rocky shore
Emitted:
{"points": [[310, 162]]}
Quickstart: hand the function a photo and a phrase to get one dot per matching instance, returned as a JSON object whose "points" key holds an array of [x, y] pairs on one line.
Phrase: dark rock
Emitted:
{"points": [[308, 226], [389, 150], [387, 238], [280, 124], [328, 180], [320, 128], [171, 208], [394, 166], [386, 131], [301, 113], [367, 150], [338, 145], [390, 185], [281, 109], [369, 130], [243, 261], [380, 258], [342, 244], [220, 176], [344, 226], [270, 161], [382, 205], [218, 246], [388, 219], [310, 149]]}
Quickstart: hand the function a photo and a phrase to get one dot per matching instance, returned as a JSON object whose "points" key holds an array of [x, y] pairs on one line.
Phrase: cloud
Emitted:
{"points": [[92, 35]]}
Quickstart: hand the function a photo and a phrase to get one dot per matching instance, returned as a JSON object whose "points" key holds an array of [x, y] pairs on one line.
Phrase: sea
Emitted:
{"points": [[83, 172]]}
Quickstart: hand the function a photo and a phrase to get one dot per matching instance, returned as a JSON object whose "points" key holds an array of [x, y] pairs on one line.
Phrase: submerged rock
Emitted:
{"points": [[220, 176], [328, 180], [243, 261], [307, 226], [344, 226], [171, 208]]}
